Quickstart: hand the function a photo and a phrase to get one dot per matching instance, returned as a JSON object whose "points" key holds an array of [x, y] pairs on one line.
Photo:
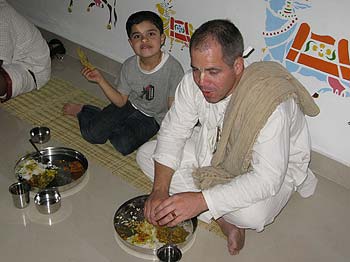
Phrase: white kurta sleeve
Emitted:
{"points": [[178, 124], [269, 161], [6, 44]]}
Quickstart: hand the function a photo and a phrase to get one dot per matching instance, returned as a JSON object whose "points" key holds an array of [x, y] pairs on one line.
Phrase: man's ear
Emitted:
{"points": [[238, 65]]}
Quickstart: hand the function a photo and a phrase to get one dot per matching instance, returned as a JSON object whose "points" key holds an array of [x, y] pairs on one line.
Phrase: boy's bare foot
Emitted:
{"points": [[235, 236], [72, 109]]}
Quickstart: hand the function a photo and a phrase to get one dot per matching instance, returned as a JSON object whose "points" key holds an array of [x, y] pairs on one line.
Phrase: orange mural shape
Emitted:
{"points": [[320, 52]]}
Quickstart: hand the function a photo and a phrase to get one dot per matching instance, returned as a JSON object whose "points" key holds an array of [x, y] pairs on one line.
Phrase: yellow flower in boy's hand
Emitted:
{"points": [[84, 60]]}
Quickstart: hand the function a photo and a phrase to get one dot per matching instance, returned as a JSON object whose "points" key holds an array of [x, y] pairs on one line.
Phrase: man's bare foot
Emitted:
{"points": [[235, 236], [72, 109]]}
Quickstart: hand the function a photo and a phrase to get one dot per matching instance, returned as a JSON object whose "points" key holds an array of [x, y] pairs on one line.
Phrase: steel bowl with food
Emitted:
{"points": [[134, 232], [63, 168]]}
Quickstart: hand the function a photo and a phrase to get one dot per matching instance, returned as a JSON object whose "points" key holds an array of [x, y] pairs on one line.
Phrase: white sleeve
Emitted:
{"points": [[6, 44], [269, 161], [178, 124]]}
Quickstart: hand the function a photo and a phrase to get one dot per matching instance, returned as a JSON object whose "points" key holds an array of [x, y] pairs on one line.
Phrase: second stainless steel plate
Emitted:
{"points": [[62, 158]]}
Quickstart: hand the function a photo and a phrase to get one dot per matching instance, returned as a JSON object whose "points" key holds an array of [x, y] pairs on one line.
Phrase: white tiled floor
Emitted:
{"points": [[314, 229]]}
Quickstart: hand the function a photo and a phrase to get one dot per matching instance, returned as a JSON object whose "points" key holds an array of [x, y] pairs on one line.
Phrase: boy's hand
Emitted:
{"points": [[92, 75]]}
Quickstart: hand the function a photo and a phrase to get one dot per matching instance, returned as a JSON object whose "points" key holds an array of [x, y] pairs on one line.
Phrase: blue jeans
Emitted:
{"points": [[125, 127]]}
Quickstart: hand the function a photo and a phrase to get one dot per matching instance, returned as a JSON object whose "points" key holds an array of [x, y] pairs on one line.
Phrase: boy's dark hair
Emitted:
{"points": [[225, 33], [141, 16]]}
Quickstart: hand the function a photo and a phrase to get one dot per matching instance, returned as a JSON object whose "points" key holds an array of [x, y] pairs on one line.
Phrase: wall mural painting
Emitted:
{"points": [[302, 51], [111, 8], [178, 31]]}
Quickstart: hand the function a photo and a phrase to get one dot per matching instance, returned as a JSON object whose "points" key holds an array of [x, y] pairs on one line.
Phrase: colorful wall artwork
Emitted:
{"points": [[302, 51], [177, 30], [310, 38], [109, 5]]}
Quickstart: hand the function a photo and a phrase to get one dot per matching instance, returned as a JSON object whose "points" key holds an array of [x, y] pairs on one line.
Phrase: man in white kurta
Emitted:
{"points": [[182, 150], [25, 62], [189, 136]]}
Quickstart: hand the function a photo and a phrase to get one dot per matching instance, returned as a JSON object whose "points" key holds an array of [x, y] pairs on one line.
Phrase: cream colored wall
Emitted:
{"points": [[330, 131]]}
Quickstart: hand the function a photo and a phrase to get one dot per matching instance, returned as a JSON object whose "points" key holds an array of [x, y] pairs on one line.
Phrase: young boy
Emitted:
{"points": [[145, 90]]}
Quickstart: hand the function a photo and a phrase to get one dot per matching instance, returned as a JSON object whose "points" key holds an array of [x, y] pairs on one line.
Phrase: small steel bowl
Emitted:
{"points": [[169, 253], [40, 134], [48, 201]]}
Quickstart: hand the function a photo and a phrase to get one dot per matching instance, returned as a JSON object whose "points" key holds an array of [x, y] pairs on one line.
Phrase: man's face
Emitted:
{"points": [[214, 77]]}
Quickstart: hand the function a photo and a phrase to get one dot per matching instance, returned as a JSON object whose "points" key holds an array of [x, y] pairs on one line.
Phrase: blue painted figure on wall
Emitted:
{"points": [[294, 45]]}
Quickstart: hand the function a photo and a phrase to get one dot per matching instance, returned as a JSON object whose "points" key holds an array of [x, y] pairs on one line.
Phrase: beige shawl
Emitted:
{"points": [[263, 86]]}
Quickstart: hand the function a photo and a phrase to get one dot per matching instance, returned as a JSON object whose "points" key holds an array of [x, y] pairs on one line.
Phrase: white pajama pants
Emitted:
{"points": [[254, 217]]}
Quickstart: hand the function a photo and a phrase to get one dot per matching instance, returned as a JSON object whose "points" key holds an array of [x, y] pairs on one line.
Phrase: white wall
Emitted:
{"points": [[330, 130]]}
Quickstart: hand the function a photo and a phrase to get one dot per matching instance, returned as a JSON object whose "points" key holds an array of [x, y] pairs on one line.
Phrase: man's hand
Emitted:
{"points": [[162, 177], [152, 202], [180, 207]]}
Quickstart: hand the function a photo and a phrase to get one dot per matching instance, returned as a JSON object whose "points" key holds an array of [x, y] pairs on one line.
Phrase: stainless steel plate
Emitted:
{"points": [[132, 210], [60, 158]]}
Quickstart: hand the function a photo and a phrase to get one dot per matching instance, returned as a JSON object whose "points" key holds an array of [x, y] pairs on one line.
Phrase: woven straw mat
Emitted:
{"points": [[44, 108]]}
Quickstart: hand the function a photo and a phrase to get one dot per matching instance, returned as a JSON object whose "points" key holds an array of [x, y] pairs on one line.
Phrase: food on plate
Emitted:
{"points": [[175, 235], [58, 167], [76, 167], [37, 174], [144, 234], [137, 234]]}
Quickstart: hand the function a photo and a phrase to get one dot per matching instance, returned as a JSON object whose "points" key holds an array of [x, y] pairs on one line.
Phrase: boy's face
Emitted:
{"points": [[145, 39]]}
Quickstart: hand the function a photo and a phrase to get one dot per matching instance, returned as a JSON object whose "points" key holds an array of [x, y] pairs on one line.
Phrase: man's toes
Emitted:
{"points": [[233, 251]]}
